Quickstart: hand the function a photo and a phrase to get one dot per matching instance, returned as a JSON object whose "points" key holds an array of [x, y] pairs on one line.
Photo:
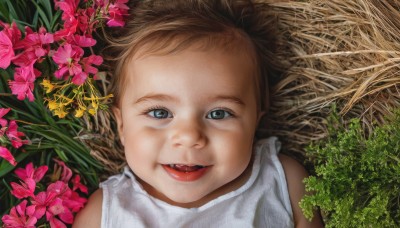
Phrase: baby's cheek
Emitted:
{"points": [[142, 145]]}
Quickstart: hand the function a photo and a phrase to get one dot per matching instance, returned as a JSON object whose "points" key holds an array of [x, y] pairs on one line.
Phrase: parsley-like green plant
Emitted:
{"points": [[357, 181]]}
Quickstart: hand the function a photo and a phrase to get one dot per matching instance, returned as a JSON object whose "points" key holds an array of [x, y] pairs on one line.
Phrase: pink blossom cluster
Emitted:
{"points": [[9, 132], [57, 204], [65, 47]]}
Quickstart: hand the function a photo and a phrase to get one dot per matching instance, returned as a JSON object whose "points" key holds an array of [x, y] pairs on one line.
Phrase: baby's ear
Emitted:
{"points": [[120, 126], [261, 114]]}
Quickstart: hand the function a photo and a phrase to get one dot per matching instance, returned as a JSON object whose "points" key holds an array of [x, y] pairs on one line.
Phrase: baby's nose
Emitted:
{"points": [[189, 133]]}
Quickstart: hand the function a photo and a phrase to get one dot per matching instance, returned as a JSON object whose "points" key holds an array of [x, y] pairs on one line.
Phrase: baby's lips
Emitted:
{"points": [[186, 173], [186, 168]]}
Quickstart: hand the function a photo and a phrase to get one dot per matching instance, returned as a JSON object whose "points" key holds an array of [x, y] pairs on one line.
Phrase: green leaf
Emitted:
{"points": [[43, 16], [55, 21], [48, 8]]}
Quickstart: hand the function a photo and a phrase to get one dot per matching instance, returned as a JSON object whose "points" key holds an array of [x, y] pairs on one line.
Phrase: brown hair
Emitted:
{"points": [[170, 26]]}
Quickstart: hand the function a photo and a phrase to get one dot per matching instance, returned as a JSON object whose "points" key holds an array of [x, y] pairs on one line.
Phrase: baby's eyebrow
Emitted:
{"points": [[232, 99], [160, 97], [164, 97]]}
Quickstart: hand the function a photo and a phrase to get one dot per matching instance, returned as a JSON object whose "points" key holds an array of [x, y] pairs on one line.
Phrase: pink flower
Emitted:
{"points": [[35, 46], [55, 223], [80, 78], [68, 30], [30, 172], [9, 37], [66, 172], [3, 112], [14, 135], [23, 190], [6, 50], [59, 188], [57, 208], [68, 7], [86, 22], [41, 201], [117, 11], [76, 184], [6, 154], [22, 86], [75, 202], [88, 61], [12, 32], [67, 57], [83, 41], [26, 59], [20, 216]]}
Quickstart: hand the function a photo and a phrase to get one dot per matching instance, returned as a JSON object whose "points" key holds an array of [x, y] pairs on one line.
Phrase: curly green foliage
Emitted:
{"points": [[357, 182]]}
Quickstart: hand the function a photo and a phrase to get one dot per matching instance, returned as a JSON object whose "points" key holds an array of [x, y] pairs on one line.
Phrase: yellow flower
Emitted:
{"points": [[47, 85], [92, 111], [53, 105], [61, 113], [79, 113], [65, 100], [95, 104]]}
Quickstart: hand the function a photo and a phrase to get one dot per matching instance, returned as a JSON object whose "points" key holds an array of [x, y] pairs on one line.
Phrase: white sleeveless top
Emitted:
{"points": [[263, 201]]}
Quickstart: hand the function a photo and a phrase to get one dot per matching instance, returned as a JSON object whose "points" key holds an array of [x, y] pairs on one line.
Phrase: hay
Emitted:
{"points": [[343, 52], [333, 51]]}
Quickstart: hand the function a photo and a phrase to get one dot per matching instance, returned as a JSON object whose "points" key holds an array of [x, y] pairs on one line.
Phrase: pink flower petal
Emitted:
{"points": [[63, 54], [66, 172], [25, 173], [23, 190], [76, 182], [7, 51], [6, 154], [40, 172], [55, 223], [79, 79], [20, 216], [56, 207], [30, 172], [21, 207], [30, 210], [3, 112], [22, 86], [61, 72], [83, 41], [67, 216], [14, 135]]}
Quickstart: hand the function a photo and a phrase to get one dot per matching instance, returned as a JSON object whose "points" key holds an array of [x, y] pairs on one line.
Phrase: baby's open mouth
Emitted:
{"points": [[185, 168], [185, 173]]}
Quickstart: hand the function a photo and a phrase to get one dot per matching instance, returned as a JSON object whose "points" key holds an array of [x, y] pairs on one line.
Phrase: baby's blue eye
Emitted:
{"points": [[159, 114], [218, 114]]}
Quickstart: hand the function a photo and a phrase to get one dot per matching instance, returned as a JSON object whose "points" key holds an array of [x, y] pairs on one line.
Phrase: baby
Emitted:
{"points": [[190, 86]]}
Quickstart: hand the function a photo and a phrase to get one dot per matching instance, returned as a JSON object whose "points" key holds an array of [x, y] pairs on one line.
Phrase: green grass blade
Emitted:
{"points": [[42, 16], [47, 8]]}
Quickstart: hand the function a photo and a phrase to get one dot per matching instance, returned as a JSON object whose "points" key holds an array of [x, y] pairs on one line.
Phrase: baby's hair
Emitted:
{"points": [[164, 27]]}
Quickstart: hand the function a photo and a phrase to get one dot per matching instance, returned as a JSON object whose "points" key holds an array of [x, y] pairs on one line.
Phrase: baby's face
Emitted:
{"points": [[187, 122]]}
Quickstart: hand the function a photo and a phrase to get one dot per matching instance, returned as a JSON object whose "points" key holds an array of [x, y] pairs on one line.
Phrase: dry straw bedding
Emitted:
{"points": [[333, 51]]}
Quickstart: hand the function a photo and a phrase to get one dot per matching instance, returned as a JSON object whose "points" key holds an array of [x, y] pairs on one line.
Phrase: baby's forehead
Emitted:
{"points": [[231, 42]]}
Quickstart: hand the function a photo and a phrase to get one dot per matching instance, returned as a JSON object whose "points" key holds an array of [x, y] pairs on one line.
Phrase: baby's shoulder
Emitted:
{"points": [[295, 174], [90, 215]]}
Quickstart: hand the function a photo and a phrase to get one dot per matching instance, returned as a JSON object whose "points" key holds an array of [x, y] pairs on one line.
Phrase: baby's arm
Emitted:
{"points": [[90, 215], [295, 173]]}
